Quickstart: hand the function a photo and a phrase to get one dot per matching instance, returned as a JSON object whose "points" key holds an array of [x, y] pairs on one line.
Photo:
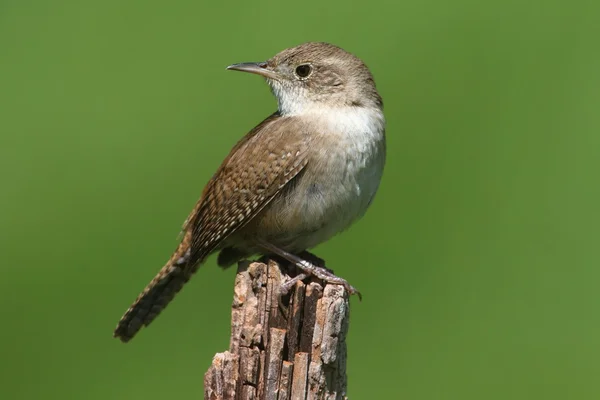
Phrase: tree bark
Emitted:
{"points": [[282, 347]]}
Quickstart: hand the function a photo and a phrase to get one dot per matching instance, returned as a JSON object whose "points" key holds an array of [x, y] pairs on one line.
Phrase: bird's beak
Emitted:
{"points": [[259, 68]]}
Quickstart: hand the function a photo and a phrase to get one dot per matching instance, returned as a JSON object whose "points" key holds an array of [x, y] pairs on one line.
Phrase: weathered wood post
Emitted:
{"points": [[290, 347]]}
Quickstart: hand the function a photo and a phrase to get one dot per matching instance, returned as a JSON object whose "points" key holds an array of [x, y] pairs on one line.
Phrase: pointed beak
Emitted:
{"points": [[259, 68]]}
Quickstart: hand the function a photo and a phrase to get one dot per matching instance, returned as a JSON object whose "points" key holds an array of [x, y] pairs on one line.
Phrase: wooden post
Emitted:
{"points": [[290, 347]]}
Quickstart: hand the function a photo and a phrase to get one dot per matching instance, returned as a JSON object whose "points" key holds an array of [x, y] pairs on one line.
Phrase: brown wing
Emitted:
{"points": [[254, 172]]}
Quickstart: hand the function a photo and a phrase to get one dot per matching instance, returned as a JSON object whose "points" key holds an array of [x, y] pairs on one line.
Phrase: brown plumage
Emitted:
{"points": [[301, 176], [257, 168]]}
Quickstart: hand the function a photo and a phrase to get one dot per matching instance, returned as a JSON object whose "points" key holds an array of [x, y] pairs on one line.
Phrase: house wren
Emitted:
{"points": [[302, 175]]}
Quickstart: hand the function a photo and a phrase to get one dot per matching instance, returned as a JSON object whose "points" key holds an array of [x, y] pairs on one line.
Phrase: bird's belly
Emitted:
{"points": [[329, 196]]}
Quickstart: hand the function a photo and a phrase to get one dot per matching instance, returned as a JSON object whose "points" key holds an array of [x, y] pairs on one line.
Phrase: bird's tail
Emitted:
{"points": [[157, 295]]}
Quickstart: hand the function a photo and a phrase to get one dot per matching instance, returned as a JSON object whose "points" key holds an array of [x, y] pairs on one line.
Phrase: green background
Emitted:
{"points": [[478, 261]]}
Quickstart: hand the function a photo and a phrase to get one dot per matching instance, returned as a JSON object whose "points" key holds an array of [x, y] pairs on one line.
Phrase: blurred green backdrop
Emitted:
{"points": [[483, 240]]}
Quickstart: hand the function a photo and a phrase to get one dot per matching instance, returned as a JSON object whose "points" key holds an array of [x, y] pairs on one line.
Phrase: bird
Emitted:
{"points": [[304, 174]]}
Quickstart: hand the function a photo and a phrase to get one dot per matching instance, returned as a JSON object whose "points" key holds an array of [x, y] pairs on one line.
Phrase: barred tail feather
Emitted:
{"points": [[156, 296]]}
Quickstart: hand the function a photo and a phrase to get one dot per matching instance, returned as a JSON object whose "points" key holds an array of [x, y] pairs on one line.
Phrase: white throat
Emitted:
{"points": [[360, 126], [290, 102]]}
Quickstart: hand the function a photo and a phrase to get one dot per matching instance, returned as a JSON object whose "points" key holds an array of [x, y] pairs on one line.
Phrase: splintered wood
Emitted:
{"points": [[290, 347]]}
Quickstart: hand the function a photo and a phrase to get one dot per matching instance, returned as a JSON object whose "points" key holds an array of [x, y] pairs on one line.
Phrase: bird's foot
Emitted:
{"points": [[287, 286], [325, 275], [309, 269]]}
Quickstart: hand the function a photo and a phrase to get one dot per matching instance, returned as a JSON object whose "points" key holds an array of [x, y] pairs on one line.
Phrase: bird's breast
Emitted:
{"points": [[345, 166]]}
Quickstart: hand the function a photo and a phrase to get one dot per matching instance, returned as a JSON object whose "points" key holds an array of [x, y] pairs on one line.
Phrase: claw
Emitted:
{"points": [[287, 286], [309, 269]]}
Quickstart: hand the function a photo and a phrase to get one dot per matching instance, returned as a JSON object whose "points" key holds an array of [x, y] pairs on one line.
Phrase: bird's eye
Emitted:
{"points": [[303, 71]]}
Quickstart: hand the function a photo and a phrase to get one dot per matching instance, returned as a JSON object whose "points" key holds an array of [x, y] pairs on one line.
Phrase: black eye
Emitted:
{"points": [[303, 70]]}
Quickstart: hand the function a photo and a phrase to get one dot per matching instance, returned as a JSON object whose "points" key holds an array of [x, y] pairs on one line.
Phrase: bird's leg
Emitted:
{"points": [[309, 268]]}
